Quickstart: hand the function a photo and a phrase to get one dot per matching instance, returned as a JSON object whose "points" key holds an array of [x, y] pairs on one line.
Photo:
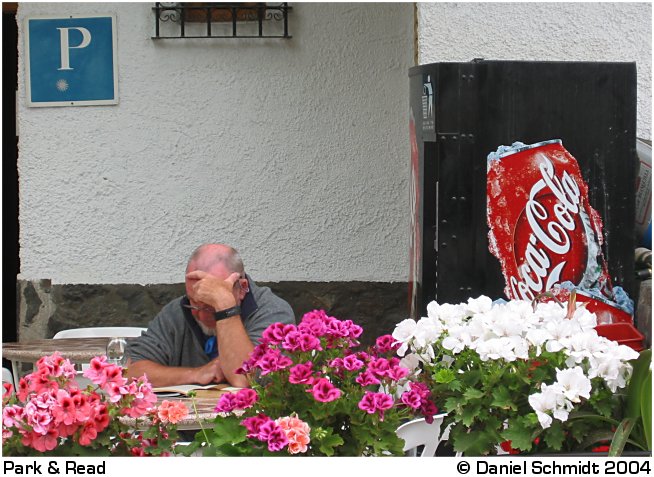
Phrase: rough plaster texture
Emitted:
{"points": [[543, 32], [294, 151]]}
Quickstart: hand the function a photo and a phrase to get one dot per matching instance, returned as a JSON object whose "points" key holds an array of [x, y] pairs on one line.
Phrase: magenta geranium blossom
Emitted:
{"points": [[302, 373], [324, 391]]}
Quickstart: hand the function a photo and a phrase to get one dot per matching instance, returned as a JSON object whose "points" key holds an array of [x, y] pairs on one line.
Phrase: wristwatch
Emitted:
{"points": [[229, 312]]}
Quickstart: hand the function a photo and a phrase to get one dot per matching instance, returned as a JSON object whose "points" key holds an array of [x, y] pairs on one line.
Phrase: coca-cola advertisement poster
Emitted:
{"points": [[542, 228]]}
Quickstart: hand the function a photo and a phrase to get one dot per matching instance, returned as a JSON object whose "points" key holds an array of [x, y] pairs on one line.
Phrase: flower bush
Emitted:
{"points": [[531, 377], [316, 395], [50, 414]]}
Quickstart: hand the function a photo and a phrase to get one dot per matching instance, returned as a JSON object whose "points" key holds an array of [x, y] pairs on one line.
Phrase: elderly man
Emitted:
{"points": [[205, 336]]}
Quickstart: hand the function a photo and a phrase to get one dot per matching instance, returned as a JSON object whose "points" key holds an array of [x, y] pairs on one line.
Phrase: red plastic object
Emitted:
{"points": [[624, 333]]}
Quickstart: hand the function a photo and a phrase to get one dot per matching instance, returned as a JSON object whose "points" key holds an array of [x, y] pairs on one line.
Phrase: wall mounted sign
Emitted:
{"points": [[71, 61]]}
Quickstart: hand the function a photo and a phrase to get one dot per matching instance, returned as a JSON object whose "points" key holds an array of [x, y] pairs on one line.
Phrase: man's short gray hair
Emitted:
{"points": [[208, 254]]}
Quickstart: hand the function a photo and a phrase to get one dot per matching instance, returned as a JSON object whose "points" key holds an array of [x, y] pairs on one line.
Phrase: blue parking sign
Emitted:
{"points": [[71, 61]]}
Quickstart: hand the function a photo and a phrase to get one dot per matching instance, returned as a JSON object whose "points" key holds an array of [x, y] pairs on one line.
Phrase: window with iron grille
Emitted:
{"points": [[220, 20]]}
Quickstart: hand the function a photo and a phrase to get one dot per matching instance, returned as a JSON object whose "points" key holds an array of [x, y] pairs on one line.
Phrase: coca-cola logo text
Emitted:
{"points": [[552, 213]]}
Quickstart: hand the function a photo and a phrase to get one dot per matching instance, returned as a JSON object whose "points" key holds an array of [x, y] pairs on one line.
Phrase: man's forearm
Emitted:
{"points": [[234, 347], [160, 375]]}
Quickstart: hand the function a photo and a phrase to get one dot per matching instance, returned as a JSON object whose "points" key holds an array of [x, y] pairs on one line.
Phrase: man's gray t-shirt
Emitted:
{"points": [[171, 341]]}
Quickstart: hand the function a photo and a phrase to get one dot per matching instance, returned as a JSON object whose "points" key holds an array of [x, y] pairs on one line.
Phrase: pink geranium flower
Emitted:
{"points": [[272, 433], [411, 399], [324, 391], [273, 360], [352, 363], [301, 374], [297, 432], [253, 424], [95, 371], [226, 403], [64, 410], [386, 343], [376, 403], [41, 442], [172, 411], [246, 398], [276, 333], [366, 378]]}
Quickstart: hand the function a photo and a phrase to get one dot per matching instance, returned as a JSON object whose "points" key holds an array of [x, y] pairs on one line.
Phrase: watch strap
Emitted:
{"points": [[229, 312]]}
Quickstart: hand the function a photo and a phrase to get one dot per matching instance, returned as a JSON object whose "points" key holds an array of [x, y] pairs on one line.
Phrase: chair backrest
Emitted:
{"points": [[7, 376], [418, 433], [100, 332]]}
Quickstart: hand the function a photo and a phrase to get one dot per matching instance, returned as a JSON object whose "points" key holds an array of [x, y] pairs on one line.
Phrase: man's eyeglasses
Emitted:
{"points": [[199, 308]]}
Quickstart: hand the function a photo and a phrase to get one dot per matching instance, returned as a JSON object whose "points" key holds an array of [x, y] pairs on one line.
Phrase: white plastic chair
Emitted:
{"points": [[100, 332], [7, 377], [418, 433], [97, 332]]}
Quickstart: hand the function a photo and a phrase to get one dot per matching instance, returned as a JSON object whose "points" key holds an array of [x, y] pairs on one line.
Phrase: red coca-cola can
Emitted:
{"points": [[542, 228]]}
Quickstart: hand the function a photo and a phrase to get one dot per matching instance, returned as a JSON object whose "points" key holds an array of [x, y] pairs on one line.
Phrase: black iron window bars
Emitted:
{"points": [[188, 17]]}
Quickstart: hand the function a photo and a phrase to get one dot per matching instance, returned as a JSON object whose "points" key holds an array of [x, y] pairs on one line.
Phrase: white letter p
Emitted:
{"points": [[65, 53]]}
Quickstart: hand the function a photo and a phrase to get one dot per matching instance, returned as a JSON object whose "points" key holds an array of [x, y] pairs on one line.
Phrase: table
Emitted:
{"points": [[77, 350], [82, 350], [205, 414]]}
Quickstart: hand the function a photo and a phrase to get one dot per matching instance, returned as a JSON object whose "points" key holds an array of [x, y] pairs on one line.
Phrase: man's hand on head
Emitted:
{"points": [[217, 293]]}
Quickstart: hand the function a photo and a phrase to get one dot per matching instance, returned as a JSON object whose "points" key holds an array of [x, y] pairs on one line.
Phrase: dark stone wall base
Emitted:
{"points": [[44, 309]]}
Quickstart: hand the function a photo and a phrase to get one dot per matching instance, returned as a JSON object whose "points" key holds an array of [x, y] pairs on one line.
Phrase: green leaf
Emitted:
{"points": [[444, 376], [455, 385], [646, 408], [328, 441], [598, 436], [620, 437], [470, 412], [227, 430], [554, 436], [186, 450], [640, 372], [520, 435], [453, 404], [472, 393], [475, 442], [502, 398]]}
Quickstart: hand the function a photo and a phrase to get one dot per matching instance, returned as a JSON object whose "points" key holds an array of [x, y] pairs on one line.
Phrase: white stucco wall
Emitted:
{"points": [[545, 32], [294, 151]]}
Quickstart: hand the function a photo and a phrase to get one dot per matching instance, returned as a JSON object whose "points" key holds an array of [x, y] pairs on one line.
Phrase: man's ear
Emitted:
{"points": [[244, 288]]}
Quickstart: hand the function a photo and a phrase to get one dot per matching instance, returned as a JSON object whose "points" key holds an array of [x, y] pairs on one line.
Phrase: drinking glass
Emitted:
{"points": [[116, 351]]}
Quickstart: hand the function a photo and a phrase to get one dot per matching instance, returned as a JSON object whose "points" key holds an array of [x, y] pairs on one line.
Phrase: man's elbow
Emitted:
{"points": [[239, 381], [135, 369]]}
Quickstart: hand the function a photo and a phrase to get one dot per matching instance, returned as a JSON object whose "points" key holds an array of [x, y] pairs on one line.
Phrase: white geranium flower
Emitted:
{"points": [[543, 403], [583, 345], [451, 315], [412, 362], [611, 369], [550, 400], [496, 348], [403, 333], [427, 331], [508, 324], [480, 327], [482, 304], [432, 309], [585, 319], [458, 340], [574, 383], [560, 331], [520, 347], [538, 336]]}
